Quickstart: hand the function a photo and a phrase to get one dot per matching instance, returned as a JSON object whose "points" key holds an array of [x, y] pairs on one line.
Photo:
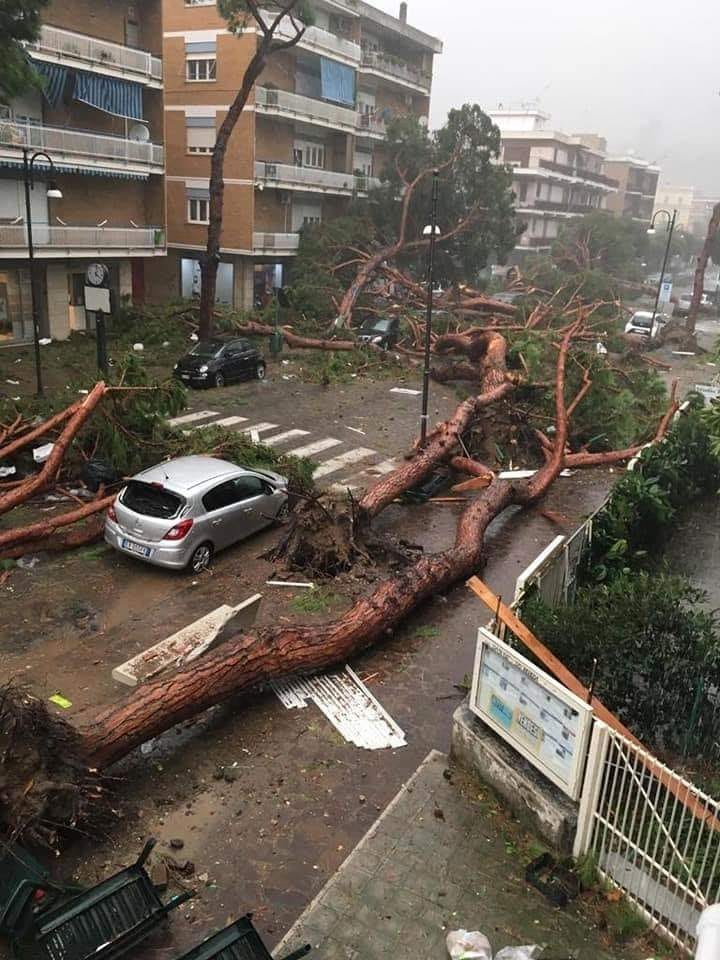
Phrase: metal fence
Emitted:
{"points": [[651, 832], [69, 238], [102, 52], [330, 181], [79, 143]]}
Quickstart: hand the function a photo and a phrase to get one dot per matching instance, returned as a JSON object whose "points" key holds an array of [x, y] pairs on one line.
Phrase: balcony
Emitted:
{"points": [[81, 150], [578, 173], [562, 206], [282, 244], [286, 176], [102, 56], [282, 103], [368, 125], [56, 241], [398, 71], [323, 42]]}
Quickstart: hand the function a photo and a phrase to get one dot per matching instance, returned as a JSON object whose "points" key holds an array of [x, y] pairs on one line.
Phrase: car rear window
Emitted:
{"points": [[150, 501]]}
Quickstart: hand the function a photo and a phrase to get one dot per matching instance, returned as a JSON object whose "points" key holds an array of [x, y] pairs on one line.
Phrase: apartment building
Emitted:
{"points": [[99, 116], [556, 176], [700, 213], [672, 196], [309, 142], [637, 186]]}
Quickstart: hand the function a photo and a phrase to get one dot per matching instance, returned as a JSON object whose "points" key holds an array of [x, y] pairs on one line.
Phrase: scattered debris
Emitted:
{"points": [[355, 430], [176, 843], [45, 341], [189, 643], [289, 583], [60, 701], [6, 472], [40, 454], [348, 704], [683, 353], [406, 390], [15, 383], [28, 562], [558, 882], [138, 347]]}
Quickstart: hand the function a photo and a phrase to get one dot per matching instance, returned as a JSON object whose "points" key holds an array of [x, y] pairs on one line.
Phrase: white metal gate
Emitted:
{"points": [[652, 833]]}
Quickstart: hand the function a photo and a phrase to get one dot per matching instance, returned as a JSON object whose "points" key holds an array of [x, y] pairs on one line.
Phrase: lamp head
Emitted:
{"points": [[651, 231], [53, 190]]}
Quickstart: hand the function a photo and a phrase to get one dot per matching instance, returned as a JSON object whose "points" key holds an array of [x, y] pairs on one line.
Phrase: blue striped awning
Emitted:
{"points": [[54, 79], [72, 168], [122, 98]]}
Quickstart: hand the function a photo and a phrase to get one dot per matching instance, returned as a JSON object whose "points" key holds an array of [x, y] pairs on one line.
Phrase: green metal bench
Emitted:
{"points": [[239, 941]]}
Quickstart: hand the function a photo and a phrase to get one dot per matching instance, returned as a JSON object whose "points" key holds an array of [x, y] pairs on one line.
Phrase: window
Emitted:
{"points": [[523, 191], [76, 283], [198, 210], [309, 155], [307, 220], [538, 188], [200, 69], [233, 491], [247, 487], [221, 496], [151, 501], [200, 139]]}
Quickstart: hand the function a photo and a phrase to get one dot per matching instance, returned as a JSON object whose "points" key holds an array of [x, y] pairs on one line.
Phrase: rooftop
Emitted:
{"points": [[397, 25]]}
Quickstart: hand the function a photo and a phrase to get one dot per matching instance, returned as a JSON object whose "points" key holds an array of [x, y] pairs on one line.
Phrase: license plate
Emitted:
{"points": [[137, 548]]}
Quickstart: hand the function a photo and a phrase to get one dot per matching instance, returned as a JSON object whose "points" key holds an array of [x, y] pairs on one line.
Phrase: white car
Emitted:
{"points": [[641, 323]]}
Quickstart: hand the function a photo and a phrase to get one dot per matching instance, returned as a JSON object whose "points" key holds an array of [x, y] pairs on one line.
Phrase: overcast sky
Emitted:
{"points": [[643, 73]]}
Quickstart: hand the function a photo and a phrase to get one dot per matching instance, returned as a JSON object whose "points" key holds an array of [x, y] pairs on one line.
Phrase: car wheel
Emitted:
{"points": [[260, 371], [283, 513], [201, 558], [219, 380]]}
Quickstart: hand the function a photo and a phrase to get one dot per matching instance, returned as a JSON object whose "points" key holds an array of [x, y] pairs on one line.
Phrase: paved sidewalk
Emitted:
{"points": [[441, 857]]}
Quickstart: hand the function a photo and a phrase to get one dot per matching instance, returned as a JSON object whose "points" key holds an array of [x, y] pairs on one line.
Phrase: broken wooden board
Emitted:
{"points": [[189, 643], [475, 483]]}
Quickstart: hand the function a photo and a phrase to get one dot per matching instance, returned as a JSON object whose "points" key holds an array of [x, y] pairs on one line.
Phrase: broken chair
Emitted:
{"points": [[101, 923], [239, 941]]}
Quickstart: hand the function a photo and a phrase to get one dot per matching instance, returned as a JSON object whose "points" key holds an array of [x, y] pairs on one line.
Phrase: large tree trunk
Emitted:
{"points": [[266, 46], [702, 262]]}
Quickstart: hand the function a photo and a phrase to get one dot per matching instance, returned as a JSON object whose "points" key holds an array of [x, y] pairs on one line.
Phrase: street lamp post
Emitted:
{"points": [[669, 229], [432, 230], [52, 191]]}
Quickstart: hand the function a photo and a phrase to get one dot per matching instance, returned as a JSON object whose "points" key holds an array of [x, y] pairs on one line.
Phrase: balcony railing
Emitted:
{"points": [[112, 58], [563, 206], [579, 172], [281, 242], [92, 147], [305, 108], [46, 238], [397, 69], [309, 178], [324, 42], [370, 125]]}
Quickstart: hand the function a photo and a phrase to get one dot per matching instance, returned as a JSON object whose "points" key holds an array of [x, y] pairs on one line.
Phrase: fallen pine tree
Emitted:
{"points": [[50, 774]]}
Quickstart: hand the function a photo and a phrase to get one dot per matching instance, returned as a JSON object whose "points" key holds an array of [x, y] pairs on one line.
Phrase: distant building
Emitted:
{"points": [[556, 176], [674, 197], [700, 213], [637, 187]]}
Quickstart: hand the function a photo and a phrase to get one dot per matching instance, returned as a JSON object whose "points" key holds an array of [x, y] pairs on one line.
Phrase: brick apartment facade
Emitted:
{"points": [[100, 118], [309, 141]]}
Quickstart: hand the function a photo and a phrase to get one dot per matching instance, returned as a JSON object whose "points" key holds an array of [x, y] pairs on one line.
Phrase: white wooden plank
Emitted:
{"points": [[341, 461]]}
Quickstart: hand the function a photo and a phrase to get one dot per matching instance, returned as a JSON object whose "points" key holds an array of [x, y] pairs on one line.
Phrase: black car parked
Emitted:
{"points": [[382, 331], [213, 363]]}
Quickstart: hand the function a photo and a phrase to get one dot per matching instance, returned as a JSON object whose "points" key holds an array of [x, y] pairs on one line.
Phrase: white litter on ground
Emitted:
{"points": [[683, 353], [44, 341], [348, 704], [6, 471], [289, 583], [407, 390], [40, 454]]}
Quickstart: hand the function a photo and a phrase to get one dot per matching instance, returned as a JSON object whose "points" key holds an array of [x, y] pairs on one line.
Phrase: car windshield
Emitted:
{"points": [[642, 322], [207, 348], [150, 501], [378, 326]]}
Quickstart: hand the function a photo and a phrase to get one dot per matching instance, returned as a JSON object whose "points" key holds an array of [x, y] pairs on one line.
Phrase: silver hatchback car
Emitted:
{"points": [[179, 513]]}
